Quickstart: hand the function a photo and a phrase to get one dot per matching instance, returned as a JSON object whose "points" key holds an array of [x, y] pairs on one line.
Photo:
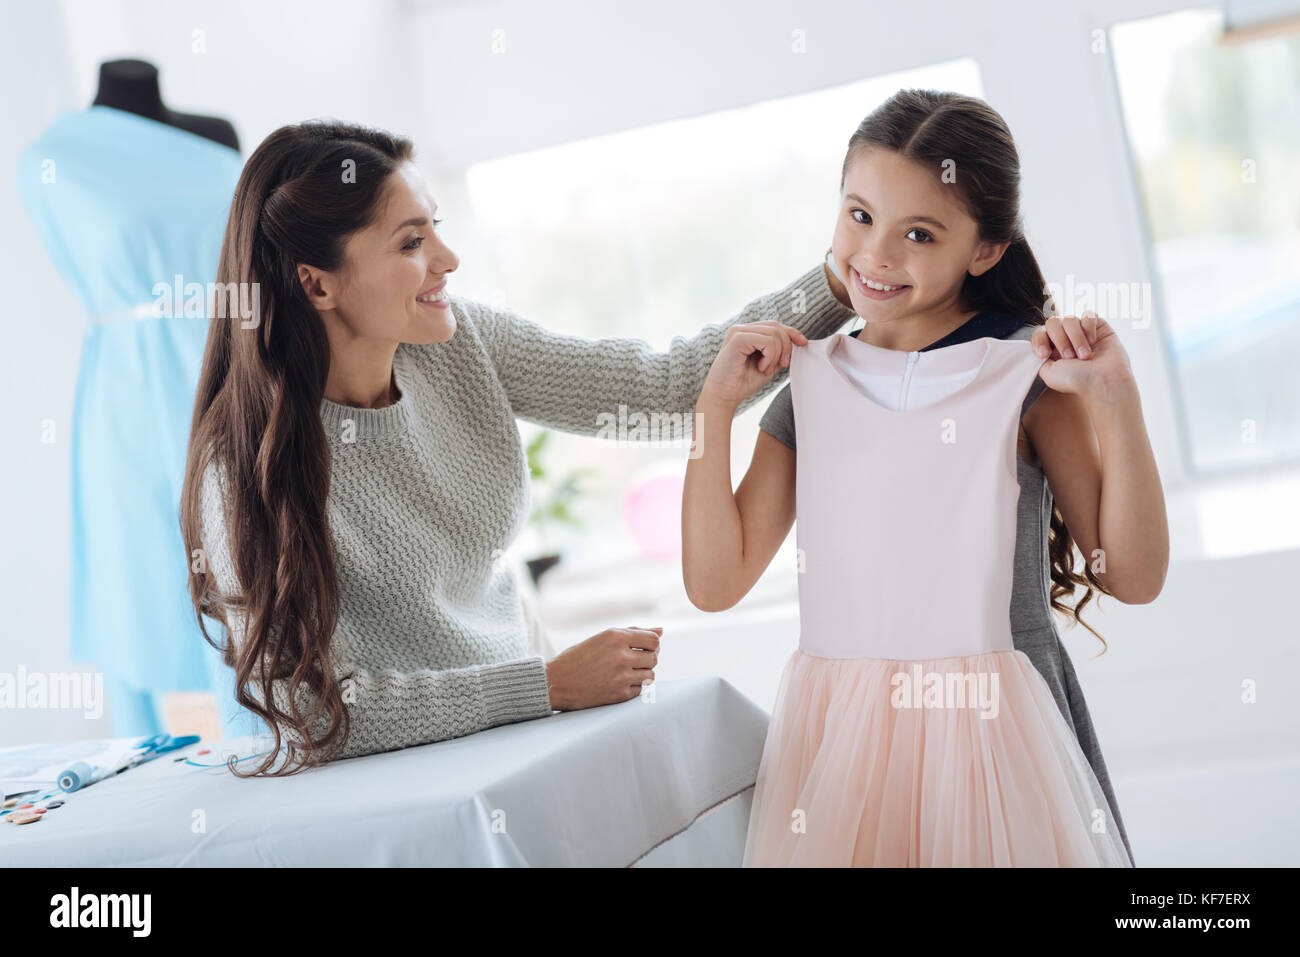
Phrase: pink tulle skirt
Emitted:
{"points": [[864, 768]]}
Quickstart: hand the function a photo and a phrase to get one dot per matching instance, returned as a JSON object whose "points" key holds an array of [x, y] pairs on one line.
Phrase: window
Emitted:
{"points": [[1214, 132]]}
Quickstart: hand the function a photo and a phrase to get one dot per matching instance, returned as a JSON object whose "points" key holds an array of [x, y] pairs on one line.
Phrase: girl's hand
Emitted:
{"points": [[752, 353], [1083, 352]]}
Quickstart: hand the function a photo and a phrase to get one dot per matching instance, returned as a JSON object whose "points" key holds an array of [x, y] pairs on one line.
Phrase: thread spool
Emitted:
{"points": [[77, 776]]}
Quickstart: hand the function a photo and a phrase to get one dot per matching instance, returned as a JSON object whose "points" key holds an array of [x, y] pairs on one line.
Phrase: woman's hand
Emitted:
{"points": [[1084, 353], [607, 668], [751, 354]]}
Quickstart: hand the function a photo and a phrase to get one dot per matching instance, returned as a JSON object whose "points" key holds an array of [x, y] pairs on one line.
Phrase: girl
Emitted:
{"points": [[910, 729], [355, 471]]}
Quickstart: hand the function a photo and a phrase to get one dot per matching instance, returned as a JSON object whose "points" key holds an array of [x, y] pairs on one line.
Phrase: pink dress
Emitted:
{"points": [[907, 730]]}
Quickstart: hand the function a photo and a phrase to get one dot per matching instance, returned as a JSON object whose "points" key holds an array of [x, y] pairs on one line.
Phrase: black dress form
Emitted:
{"points": [[132, 85]]}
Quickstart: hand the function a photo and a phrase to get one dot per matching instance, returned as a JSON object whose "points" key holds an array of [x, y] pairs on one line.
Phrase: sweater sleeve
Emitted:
{"points": [[569, 382], [387, 708]]}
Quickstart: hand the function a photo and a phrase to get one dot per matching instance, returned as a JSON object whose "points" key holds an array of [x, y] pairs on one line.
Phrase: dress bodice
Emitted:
{"points": [[906, 518]]}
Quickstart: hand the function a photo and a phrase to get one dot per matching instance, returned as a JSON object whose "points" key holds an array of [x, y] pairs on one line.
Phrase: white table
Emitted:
{"points": [[662, 782]]}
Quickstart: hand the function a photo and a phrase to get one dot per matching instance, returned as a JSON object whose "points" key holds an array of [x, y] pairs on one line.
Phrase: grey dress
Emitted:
{"points": [[1033, 628]]}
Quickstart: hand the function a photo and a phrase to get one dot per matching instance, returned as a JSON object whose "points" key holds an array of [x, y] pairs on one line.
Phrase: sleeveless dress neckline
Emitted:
{"points": [[942, 361]]}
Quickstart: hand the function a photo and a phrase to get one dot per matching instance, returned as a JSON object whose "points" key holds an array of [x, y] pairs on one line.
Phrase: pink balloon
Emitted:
{"points": [[653, 512]]}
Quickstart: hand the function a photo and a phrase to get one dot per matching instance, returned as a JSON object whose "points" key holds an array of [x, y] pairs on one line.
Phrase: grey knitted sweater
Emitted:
{"points": [[427, 494]]}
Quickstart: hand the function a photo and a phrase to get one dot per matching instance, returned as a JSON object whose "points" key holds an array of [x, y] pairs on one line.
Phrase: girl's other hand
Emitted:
{"points": [[1081, 352], [752, 353]]}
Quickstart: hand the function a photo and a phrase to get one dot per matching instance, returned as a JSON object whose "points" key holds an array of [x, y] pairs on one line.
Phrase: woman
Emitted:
{"points": [[355, 470]]}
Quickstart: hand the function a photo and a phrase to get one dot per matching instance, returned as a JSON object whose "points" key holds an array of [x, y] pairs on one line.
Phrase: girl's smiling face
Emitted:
{"points": [[900, 225]]}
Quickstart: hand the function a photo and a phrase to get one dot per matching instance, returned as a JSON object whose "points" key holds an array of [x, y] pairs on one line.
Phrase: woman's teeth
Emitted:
{"points": [[439, 296]]}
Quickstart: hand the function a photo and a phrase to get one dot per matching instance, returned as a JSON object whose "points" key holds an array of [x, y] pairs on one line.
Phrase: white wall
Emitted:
{"points": [[39, 363]]}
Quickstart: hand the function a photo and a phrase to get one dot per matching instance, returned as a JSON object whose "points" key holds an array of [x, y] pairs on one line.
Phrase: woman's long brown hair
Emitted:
{"points": [[944, 131], [302, 193]]}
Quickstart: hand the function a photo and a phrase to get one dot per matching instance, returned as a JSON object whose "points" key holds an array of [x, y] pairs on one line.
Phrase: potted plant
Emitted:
{"points": [[552, 497]]}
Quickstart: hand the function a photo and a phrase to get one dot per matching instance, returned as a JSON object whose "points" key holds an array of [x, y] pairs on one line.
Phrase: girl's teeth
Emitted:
{"points": [[878, 286]]}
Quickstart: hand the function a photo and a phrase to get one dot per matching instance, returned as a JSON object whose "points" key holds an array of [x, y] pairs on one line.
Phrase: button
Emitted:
{"points": [[26, 818]]}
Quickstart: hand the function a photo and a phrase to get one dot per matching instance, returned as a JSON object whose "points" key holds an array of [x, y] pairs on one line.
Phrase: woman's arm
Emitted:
{"points": [[391, 709], [1098, 461], [578, 385]]}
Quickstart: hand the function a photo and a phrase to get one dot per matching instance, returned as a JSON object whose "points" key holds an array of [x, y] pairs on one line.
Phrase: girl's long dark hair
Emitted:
{"points": [[302, 193], [950, 132]]}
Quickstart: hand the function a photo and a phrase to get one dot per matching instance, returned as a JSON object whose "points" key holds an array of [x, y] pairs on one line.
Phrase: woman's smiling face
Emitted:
{"points": [[393, 282], [900, 225]]}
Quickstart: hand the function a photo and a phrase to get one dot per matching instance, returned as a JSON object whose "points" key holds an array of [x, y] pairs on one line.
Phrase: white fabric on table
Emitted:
{"points": [[600, 787]]}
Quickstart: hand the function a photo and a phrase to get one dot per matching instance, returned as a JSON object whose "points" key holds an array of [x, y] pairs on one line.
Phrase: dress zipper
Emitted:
{"points": [[907, 378]]}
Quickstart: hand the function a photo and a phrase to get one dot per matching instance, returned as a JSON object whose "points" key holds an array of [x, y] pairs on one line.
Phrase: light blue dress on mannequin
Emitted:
{"points": [[125, 205]]}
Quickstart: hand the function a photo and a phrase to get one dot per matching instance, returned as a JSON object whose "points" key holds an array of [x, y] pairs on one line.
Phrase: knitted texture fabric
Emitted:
{"points": [[427, 494]]}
